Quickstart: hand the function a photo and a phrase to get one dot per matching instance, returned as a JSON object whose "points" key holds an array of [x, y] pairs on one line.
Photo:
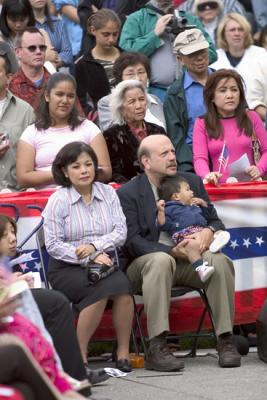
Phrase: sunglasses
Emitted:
{"points": [[33, 48], [212, 5]]}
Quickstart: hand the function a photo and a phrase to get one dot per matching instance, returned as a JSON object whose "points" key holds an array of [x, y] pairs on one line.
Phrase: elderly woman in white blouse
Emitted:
{"points": [[83, 221]]}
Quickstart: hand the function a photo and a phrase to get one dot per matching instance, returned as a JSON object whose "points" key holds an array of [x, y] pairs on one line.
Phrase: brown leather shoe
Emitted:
{"points": [[228, 354], [159, 358]]}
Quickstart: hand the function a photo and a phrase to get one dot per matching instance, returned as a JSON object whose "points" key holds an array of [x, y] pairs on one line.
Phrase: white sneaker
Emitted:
{"points": [[205, 271], [220, 240]]}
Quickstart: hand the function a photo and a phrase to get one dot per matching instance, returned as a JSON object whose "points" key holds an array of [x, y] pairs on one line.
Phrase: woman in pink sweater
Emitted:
{"points": [[227, 121]]}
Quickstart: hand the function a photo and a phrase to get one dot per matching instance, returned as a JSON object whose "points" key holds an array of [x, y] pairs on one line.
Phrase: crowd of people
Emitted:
{"points": [[159, 96]]}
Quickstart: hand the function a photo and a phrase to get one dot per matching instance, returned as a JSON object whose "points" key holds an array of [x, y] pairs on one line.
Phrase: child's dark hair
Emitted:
{"points": [[4, 221], [170, 185]]}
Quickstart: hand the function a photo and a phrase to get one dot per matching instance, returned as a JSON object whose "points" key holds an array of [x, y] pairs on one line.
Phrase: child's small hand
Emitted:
{"points": [[199, 202], [161, 205]]}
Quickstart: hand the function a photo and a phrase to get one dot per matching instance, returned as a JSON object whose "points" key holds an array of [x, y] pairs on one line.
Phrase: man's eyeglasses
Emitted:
{"points": [[33, 48], [211, 5]]}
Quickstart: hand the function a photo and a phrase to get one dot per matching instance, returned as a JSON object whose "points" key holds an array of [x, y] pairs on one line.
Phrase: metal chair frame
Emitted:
{"points": [[178, 291]]}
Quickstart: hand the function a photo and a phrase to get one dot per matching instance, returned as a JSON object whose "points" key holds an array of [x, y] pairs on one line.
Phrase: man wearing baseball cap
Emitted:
{"points": [[148, 31], [184, 99]]}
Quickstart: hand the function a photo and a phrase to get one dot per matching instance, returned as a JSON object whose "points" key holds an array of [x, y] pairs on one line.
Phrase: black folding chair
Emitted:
{"points": [[178, 291], [42, 253], [13, 207]]}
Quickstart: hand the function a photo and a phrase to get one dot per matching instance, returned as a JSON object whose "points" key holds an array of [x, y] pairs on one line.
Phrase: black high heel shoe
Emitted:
{"points": [[124, 365], [95, 376]]}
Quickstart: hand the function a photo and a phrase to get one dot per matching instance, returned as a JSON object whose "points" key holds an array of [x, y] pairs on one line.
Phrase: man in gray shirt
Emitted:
{"points": [[15, 116]]}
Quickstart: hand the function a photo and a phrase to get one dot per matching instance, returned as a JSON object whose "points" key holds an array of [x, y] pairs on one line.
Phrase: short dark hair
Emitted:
{"points": [[68, 155], [170, 185], [43, 118], [29, 29], [128, 59], [15, 9], [4, 220]]}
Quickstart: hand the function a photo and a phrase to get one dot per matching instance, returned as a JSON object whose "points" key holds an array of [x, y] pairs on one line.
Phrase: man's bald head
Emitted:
{"points": [[149, 145], [156, 156]]}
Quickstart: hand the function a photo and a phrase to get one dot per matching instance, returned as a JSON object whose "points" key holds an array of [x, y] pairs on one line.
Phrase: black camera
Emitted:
{"points": [[95, 272], [177, 24]]}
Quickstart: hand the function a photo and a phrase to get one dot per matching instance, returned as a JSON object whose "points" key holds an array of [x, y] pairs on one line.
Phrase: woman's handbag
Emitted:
{"points": [[255, 148]]}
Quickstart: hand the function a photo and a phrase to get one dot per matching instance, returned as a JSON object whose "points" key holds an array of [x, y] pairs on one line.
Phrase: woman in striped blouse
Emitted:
{"points": [[83, 221]]}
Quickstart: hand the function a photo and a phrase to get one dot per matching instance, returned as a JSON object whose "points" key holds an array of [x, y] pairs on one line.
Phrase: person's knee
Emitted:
{"points": [[126, 299], [223, 266], [57, 300], [14, 353], [160, 264]]}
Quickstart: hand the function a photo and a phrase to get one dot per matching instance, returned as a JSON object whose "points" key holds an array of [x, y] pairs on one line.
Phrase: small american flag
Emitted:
{"points": [[223, 158]]}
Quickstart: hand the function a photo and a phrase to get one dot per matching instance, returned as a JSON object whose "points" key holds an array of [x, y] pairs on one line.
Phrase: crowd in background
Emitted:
{"points": [[89, 87], [94, 41]]}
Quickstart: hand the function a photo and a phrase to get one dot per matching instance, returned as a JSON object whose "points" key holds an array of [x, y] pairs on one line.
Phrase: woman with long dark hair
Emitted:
{"points": [[104, 26], [57, 123], [15, 16], [227, 124]]}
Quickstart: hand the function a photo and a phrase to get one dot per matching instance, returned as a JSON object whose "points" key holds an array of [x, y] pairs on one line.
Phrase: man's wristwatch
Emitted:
{"points": [[213, 230]]}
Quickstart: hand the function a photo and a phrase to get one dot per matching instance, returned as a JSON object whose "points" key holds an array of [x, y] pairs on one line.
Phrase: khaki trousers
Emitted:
{"points": [[154, 274]]}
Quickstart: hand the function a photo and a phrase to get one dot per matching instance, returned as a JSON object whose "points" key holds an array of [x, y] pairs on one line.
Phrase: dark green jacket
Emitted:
{"points": [[176, 115], [138, 32]]}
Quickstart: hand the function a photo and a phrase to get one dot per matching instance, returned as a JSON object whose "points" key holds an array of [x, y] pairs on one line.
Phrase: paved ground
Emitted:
{"points": [[202, 379]]}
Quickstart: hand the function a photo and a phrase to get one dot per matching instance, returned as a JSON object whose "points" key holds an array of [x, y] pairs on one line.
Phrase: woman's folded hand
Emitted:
{"points": [[103, 258], [84, 250], [253, 172]]}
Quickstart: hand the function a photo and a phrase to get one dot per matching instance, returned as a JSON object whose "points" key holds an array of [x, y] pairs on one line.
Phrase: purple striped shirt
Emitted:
{"points": [[70, 222]]}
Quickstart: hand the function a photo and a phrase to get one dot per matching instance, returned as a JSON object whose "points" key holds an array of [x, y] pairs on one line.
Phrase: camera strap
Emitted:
{"points": [[109, 271]]}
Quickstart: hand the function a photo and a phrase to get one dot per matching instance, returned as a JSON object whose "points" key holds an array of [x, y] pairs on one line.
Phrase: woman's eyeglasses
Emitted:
{"points": [[211, 5], [33, 48]]}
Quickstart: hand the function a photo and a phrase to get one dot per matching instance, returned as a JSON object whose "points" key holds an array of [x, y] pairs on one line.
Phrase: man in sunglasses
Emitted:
{"points": [[29, 81]]}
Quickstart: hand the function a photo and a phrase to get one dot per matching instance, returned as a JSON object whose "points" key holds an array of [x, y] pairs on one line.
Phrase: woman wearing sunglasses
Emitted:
{"points": [[209, 12]]}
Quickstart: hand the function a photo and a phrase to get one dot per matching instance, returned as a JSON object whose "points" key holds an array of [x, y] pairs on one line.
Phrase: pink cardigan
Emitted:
{"points": [[41, 350], [205, 149]]}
